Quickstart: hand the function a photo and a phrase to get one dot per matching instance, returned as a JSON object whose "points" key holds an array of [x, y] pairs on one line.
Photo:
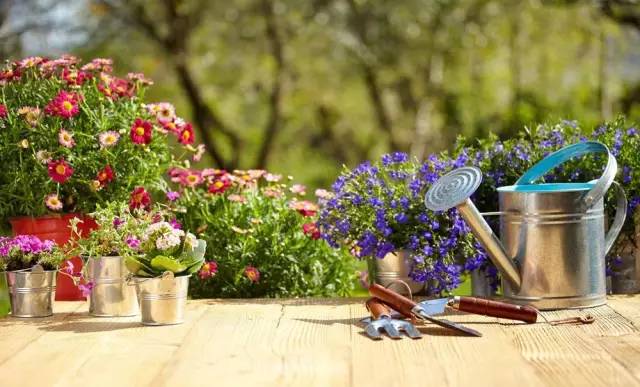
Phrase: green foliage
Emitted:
{"points": [[256, 240]]}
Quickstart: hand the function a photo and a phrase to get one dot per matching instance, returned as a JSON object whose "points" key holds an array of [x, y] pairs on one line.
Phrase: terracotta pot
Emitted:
{"points": [[58, 229]]}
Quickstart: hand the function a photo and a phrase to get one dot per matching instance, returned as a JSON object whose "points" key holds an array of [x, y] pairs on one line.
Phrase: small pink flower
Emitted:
{"points": [[272, 178], [237, 198], [86, 288], [323, 194], [65, 138], [175, 224], [298, 189], [132, 242], [172, 196], [252, 274], [311, 230], [53, 202], [191, 178], [3, 111], [197, 156], [108, 139], [68, 267], [208, 270]]}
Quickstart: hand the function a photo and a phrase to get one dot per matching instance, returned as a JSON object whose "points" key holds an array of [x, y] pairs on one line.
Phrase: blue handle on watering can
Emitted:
{"points": [[565, 154], [597, 192]]}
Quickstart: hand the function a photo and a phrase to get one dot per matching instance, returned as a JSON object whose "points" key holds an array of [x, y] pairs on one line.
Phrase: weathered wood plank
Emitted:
{"points": [[570, 355], [312, 342]]}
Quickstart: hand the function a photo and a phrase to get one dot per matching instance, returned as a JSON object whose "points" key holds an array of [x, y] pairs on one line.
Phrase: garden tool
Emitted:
{"points": [[381, 319], [409, 308], [553, 248], [483, 307]]}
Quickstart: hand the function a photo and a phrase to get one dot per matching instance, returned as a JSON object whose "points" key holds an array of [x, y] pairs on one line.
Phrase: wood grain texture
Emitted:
{"points": [[315, 342]]}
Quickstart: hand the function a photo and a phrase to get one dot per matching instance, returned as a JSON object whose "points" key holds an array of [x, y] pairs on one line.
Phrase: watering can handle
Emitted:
{"points": [[556, 158], [618, 221]]}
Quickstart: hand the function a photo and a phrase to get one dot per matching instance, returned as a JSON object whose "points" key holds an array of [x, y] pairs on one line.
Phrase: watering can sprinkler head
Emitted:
{"points": [[454, 190]]}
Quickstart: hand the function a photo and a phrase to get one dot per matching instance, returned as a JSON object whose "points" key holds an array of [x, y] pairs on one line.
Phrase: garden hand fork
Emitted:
{"points": [[381, 319]]}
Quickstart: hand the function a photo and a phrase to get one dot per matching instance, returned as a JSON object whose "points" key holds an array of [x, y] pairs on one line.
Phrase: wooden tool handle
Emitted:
{"points": [[399, 303], [377, 308], [491, 308]]}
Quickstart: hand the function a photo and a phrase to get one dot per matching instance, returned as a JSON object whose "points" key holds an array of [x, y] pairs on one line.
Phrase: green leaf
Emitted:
{"points": [[165, 263]]}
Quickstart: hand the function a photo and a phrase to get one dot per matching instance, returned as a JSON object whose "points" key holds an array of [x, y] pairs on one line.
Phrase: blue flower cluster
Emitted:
{"points": [[378, 209]]}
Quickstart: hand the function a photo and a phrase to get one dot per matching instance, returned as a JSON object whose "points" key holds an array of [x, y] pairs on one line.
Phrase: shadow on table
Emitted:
{"points": [[88, 324]]}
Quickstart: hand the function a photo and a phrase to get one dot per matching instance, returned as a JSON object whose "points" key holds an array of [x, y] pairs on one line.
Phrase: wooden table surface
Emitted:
{"points": [[315, 342]]}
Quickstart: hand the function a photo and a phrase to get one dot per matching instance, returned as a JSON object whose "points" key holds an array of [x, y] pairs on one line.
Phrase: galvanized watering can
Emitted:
{"points": [[553, 247]]}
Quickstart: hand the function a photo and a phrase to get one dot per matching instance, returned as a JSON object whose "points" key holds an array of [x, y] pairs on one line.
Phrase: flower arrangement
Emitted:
{"points": [[118, 233], [22, 252], [73, 135], [164, 247], [377, 209], [262, 236]]}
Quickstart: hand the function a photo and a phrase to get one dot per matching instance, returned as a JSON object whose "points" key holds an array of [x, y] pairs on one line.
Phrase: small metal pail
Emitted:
{"points": [[110, 296], [396, 267], [31, 293], [162, 299]]}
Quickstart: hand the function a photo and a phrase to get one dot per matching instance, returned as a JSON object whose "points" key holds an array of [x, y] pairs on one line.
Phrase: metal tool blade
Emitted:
{"points": [[419, 312], [410, 330], [372, 331], [436, 306]]}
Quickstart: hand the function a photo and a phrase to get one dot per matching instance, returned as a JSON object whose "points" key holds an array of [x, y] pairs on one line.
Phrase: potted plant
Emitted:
{"points": [[161, 273], [263, 240], [73, 136], [377, 212], [30, 266], [103, 252]]}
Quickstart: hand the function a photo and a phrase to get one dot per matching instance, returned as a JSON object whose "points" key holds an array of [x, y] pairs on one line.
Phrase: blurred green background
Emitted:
{"points": [[302, 87]]}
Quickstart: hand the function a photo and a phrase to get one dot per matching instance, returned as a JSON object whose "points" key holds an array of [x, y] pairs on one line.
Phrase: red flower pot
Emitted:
{"points": [[58, 229]]}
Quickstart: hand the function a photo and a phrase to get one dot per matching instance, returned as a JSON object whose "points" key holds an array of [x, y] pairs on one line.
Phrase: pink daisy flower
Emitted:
{"points": [[53, 202], [298, 189], [65, 138], [59, 170], [252, 273], [108, 139]]}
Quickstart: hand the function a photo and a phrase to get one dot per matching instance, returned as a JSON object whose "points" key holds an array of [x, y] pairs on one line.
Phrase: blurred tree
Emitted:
{"points": [[305, 86]]}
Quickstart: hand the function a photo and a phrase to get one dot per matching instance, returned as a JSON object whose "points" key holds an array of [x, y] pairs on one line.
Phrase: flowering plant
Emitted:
{"points": [[164, 248], [377, 208], [22, 252], [118, 232], [76, 135], [263, 237]]}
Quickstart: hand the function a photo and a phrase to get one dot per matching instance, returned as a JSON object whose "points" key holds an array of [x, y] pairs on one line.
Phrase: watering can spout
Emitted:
{"points": [[490, 242]]}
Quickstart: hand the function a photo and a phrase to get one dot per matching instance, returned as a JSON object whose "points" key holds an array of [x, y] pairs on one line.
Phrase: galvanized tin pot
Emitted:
{"points": [[31, 293], [110, 296], [396, 267], [162, 299], [481, 284]]}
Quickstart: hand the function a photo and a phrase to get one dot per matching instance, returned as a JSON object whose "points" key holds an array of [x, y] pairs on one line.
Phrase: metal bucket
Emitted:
{"points": [[31, 293], [162, 299], [110, 296], [481, 284], [396, 267]]}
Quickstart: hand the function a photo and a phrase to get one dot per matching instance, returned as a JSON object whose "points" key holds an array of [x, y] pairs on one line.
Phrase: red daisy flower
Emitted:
{"points": [[220, 185], [186, 136], [304, 207], [105, 176], [121, 87], [140, 198], [59, 170], [141, 131], [64, 105], [75, 77], [311, 230], [208, 270], [3, 111], [252, 273]]}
